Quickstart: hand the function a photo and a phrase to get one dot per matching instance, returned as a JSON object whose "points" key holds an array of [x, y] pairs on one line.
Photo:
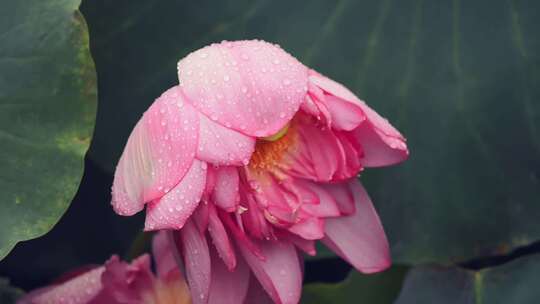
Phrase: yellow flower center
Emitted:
{"points": [[269, 151]]}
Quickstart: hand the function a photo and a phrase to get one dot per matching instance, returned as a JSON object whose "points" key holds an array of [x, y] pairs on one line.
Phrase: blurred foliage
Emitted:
{"points": [[47, 113], [377, 288], [514, 282], [88, 233], [8, 293]]}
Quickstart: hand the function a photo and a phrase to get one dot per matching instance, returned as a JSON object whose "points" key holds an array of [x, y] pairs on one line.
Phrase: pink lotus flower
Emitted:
{"points": [[258, 155], [117, 282]]}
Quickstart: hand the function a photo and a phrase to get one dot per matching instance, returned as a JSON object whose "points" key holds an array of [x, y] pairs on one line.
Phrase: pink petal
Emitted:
{"points": [[200, 217], [163, 253], [307, 246], [268, 189], [222, 146], [321, 153], [197, 262], [379, 150], [256, 293], [334, 88], [175, 207], [228, 286], [79, 290], [126, 282], [158, 153], [309, 106], [380, 135], [359, 238], [255, 222], [342, 195], [280, 273], [311, 228], [303, 192], [226, 186], [352, 153], [210, 181], [221, 239], [345, 116], [239, 235], [253, 87], [327, 206], [323, 149]]}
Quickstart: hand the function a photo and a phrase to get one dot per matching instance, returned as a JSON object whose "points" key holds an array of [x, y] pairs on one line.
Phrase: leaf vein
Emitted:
{"points": [[372, 43]]}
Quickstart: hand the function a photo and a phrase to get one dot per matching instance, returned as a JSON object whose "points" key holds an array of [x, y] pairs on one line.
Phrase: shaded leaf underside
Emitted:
{"points": [[514, 282]]}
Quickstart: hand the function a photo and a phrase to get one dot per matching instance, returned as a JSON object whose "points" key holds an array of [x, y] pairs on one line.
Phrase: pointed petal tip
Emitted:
{"points": [[173, 209], [384, 145], [359, 238], [281, 274]]}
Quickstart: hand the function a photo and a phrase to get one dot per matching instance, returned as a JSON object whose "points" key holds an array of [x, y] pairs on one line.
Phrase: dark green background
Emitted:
{"points": [[460, 79]]}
